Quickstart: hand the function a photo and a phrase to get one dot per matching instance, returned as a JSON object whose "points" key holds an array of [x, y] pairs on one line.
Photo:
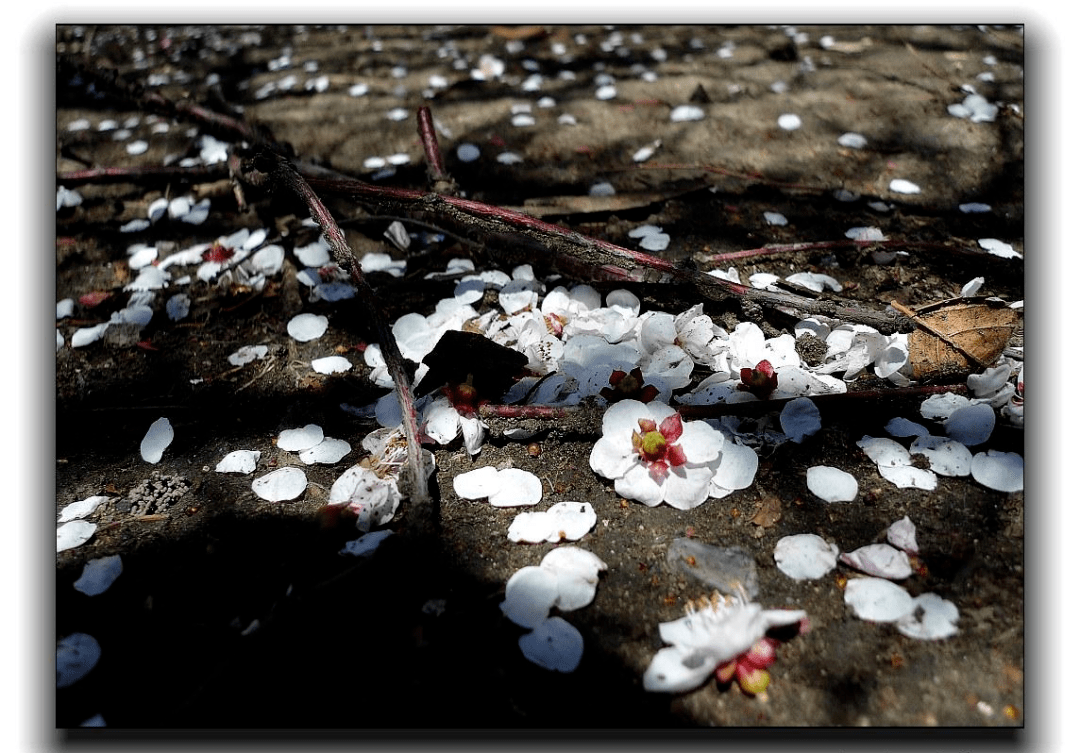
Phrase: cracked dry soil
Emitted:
{"points": [[413, 638]]}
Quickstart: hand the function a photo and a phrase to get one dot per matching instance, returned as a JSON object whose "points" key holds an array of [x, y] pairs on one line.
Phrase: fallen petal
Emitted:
{"points": [[805, 556], [76, 655], [280, 485], [239, 461], [831, 484], [1001, 471], [878, 600], [880, 560], [554, 644], [98, 574], [158, 437], [901, 534], [73, 534], [933, 618], [298, 440]]}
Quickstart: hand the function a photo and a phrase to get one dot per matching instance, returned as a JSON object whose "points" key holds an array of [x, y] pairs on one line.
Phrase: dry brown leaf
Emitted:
{"points": [[957, 335], [768, 513]]}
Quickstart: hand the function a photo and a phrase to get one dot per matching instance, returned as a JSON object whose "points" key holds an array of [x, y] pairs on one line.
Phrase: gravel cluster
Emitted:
{"points": [[155, 494]]}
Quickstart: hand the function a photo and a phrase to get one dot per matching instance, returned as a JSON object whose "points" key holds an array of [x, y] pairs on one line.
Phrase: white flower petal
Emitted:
{"points": [[239, 461], [297, 440], [331, 365], [531, 592], [328, 451], [307, 327], [880, 560], [947, 456], [82, 508], [901, 534], [884, 452], [98, 574], [1001, 471], [517, 488], [933, 618], [909, 477], [76, 655], [800, 418], [554, 644], [738, 466], [280, 485], [73, 534], [158, 437], [670, 672], [972, 425], [877, 599], [478, 484], [805, 556], [577, 572], [831, 484]]}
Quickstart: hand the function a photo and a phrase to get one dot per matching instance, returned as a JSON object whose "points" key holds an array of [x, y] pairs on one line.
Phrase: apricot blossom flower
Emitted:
{"points": [[654, 456]]}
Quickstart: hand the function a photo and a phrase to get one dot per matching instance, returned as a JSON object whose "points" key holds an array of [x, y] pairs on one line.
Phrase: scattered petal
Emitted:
{"points": [[831, 484], [366, 545], [554, 644], [880, 560], [531, 592], [247, 354], [899, 185], [76, 655], [933, 618], [158, 437], [331, 365], [297, 440], [563, 520], [239, 461], [1001, 471], [877, 599], [805, 556], [280, 485], [909, 477], [73, 534], [98, 574], [307, 327], [971, 424], [901, 534], [800, 418], [789, 122], [82, 508], [947, 456]]}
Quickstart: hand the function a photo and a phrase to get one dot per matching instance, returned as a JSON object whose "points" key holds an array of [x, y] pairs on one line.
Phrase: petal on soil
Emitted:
{"points": [[899, 185], [73, 534], [331, 365], [972, 425], [307, 327], [877, 599], [247, 354], [517, 488], [328, 452], [577, 572], [531, 592], [880, 560], [947, 456], [831, 484], [1001, 471], [76, 655], [298, 440], [82, 508], [554, 644], [909, 477], [902, 427], [800, 419], [366, 545], [901, 534], [805, 556], [239, 461], [932, 619], [98, 574], [885, 452], [280, 485], [479, 483], [158, 437]]}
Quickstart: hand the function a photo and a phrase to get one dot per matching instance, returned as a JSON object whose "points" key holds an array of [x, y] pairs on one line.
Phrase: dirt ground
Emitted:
{"points": [[414, 639]]}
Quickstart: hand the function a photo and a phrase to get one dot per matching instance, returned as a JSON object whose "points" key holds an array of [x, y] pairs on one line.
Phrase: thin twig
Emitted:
{"points": [[414, 478]]}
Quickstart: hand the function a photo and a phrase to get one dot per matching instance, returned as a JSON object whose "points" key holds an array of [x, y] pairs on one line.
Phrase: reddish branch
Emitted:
{"points": [[200, 173], [441, 182], [791, 248]]}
